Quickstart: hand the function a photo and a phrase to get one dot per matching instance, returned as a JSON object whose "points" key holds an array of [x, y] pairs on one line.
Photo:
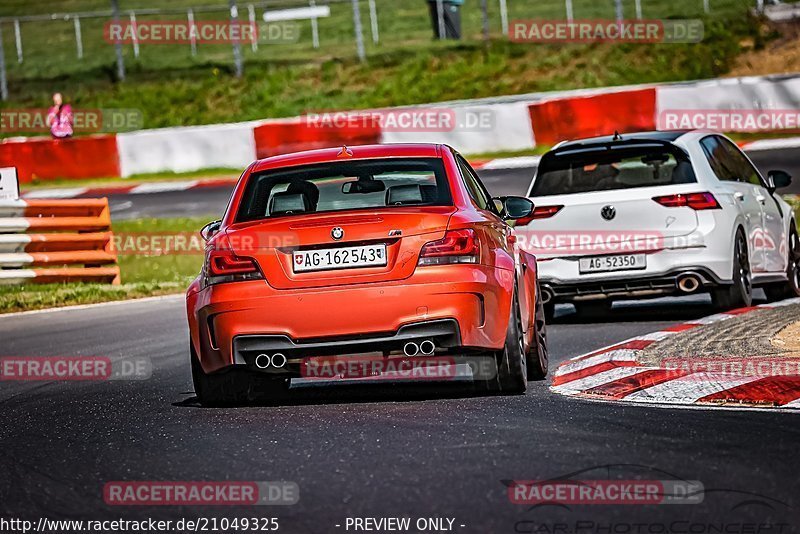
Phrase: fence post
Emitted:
{"points": [[78, 38], [18, 40], [118, 44], [251, 14], [362, 55], [440, 18], [639, 9], [504, 16], [618, 10], [485, 14], [192, 31], [3, 81], [706, 6], [373, 19], [570, 16], [135, 36], [237, 49], [314, 26]]}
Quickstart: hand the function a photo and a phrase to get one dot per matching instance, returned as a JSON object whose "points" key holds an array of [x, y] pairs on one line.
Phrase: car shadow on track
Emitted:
{"points": [[678, 309], [366, 392]]}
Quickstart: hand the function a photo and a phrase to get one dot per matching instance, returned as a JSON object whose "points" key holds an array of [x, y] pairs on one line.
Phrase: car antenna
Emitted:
{"points": [[617, 136]]}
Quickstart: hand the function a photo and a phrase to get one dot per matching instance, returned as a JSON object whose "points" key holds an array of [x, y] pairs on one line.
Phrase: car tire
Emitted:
{"points": [[791, 288], [512, 373], [538, 356], [233, 387], [740, 293]]}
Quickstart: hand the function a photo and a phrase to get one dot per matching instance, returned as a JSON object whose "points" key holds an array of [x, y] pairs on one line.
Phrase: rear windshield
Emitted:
{"points": [[611, 169], [351, 185]]}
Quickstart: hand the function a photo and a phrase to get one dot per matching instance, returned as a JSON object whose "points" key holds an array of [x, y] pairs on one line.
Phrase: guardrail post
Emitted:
{"points": [[118, 44], [237, 48], [440, 19], [638, 5], [251, 15], [362, 54], [135, 36], [192, 30], [568, 5], [18, 40], [3, 81], [373, 19], [504, 16], [78, 38]]}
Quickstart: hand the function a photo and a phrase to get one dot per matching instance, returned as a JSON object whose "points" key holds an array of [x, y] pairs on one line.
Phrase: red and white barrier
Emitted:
{"points": [[515, 123]]}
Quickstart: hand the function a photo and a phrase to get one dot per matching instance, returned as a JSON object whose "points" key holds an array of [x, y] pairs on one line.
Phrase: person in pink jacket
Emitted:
{"points": [[60, 118]]}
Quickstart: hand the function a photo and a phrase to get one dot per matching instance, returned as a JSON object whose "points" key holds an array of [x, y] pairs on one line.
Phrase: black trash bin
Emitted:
{"points": [[452, 18]]}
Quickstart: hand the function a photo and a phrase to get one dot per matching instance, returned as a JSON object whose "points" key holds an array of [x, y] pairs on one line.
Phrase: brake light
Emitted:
{"points": [[457, 246], [223, 265], [539, 212], [696, 201]]}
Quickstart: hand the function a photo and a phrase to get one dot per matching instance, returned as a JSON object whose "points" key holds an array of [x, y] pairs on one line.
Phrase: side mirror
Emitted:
{"points": [[778, 180], [210, 230], [514, 208]]}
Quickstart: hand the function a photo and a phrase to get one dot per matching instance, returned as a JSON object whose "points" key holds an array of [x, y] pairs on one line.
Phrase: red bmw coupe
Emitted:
{"points": [[390, 249]]}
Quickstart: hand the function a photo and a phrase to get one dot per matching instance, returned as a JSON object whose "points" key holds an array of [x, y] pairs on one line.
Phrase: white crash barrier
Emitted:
{"points": [[187, 149], [477, 129]]}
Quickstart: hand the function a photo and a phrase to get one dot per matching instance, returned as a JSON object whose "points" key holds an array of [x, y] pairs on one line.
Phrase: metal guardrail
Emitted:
{"points": [[45, 241]]}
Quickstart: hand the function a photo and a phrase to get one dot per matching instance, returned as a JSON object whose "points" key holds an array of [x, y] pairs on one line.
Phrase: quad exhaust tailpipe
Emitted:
{"points": [[410, 349], [276, 361], [427, 347], [688, 283]]}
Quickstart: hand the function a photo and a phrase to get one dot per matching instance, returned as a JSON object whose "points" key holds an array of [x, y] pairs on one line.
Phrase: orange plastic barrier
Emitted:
{"points": [[283, 137], [79, 250], [92, 156], [588, 116]]}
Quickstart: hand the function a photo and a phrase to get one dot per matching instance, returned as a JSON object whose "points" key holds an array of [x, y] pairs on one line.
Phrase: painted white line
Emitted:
{"points": [[780, 304], [654, 336], [713, 319], [56, 193], [772, 144], [689, 389], [578, 386], [162, 187], [794, 404], [623, 355], [523, 162], [176, 296]]}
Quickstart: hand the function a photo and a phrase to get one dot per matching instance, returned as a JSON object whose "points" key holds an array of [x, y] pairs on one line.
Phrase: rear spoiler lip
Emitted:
{"points": [[578, 147]]}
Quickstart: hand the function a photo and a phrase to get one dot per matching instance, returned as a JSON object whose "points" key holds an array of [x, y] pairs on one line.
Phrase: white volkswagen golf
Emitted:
{"points": [[659, 213]]}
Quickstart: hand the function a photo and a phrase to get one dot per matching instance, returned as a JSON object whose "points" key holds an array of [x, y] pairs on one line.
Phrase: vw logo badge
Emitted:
{"points": [[337, 233], [608, 212]]}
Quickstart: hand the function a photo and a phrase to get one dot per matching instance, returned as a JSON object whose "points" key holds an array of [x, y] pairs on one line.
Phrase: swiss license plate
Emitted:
{"points": [[339, 258], [600, 264]]}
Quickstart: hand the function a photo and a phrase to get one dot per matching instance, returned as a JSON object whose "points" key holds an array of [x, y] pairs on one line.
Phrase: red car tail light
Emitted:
{"points": [[696, 201], [223, 265], [539, 212], [457, 246]]}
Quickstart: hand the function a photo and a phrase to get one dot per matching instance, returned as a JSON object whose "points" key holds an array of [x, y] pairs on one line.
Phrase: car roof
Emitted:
{"points": [[663, 136], [350, 153]]}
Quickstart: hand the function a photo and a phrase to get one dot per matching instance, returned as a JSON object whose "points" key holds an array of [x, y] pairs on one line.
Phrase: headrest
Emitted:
{"points": [[288, 203], [403, 194]]}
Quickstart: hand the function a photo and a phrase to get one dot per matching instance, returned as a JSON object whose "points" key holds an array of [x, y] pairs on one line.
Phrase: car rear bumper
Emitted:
{"points": [[562, 280], [230, 323]]}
